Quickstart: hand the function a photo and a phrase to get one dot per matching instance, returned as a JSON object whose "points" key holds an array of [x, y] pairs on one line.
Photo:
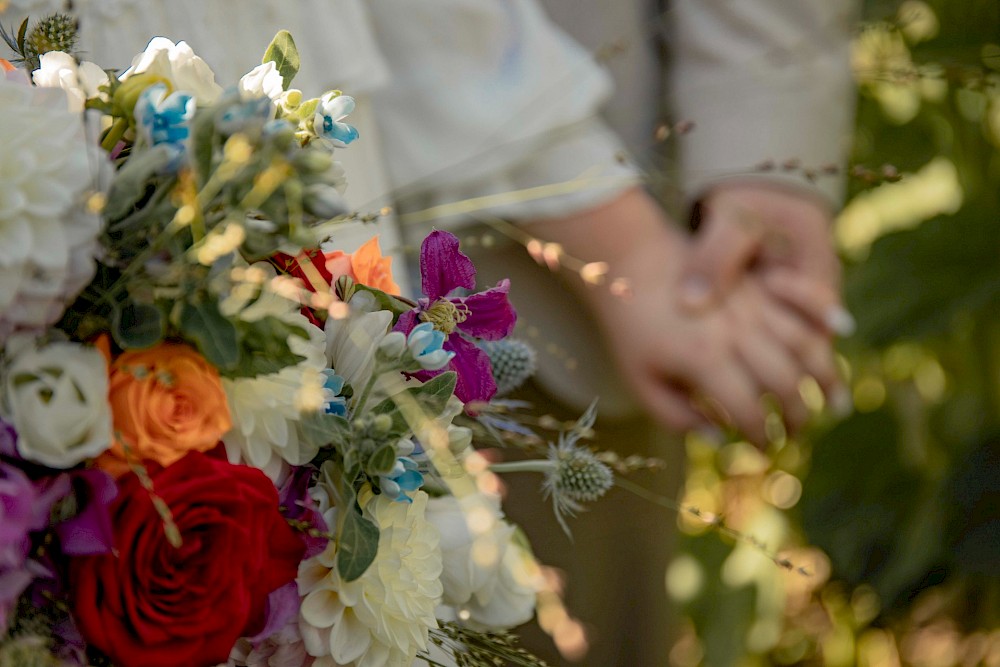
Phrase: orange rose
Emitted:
{"points": [[367, 266], [165, 402]]}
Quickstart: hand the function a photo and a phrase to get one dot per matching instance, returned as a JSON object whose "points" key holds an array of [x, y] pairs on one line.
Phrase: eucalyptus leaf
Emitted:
{"points": [[357, 546], [381, 461], [137, 325], [386, 301], [203, 139], [321, 430], [264, 348], [431, 397], [285, 56], [131, 181], [213, 334]]}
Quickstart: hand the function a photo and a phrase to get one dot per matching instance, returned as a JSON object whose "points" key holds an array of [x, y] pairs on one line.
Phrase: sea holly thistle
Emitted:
{"points": [[573, 474], [55, 32]]}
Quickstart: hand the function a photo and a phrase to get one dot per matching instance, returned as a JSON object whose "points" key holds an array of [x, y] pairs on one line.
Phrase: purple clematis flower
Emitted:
{"points": [[487, 315]]}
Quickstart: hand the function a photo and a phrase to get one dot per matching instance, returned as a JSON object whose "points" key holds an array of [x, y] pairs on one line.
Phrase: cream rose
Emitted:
{"points": [[179, 65], [487, 575], [56, 397], [81, 81]]}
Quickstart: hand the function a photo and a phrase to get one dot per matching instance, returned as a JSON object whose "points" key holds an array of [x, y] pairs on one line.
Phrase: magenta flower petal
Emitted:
{"points": [[443, 267], [491, 317], [407, 321], [89, 532], [475, 374], [8, 441], [282, 607]]}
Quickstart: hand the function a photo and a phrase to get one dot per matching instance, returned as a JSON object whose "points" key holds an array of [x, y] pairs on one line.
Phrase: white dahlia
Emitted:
{"points": [[266, 409], [48, 236], [381, 619]]}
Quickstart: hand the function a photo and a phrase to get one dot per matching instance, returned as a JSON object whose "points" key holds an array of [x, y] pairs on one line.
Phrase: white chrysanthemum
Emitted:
{"points": [[48, 238], [351, 343], [381, 619], [266, 409]]}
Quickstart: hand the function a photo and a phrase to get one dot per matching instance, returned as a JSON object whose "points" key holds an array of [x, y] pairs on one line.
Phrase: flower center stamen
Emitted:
{"points": [[445, 315]]}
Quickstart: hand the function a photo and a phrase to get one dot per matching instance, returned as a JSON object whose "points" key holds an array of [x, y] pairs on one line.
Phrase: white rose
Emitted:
{"points": [[178, 64], [485, 573], [57, 399], [260, 81], [513, 599], [80, 81]]}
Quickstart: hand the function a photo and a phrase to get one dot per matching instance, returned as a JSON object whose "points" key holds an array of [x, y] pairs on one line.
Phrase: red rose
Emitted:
{"points": [[154, 605]]}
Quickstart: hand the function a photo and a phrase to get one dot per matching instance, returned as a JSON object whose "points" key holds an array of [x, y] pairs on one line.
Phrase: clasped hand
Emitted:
{"points": [[714, 324]]}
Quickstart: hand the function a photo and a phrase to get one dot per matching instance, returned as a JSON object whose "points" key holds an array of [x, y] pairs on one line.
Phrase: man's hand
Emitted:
{"points": [[779, 232]]}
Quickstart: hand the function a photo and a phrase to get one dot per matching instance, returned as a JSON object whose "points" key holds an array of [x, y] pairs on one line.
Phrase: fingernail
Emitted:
{"points": [[695, 291], [841, 404], [839, 321]]}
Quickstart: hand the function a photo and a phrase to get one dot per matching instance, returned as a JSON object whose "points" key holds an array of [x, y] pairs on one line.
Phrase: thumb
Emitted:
{"points": [[727, 243]]}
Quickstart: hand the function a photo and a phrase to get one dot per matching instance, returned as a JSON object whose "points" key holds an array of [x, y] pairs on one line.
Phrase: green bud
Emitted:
{"points": [[127, 94], [382, 424], [312, 161]]}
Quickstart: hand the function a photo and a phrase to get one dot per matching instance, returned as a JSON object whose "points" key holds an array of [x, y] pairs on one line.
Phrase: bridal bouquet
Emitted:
{"points": [[222, 439]]}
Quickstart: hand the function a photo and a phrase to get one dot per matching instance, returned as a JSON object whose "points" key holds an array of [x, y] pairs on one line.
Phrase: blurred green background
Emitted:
{"points": [[893, 512]]}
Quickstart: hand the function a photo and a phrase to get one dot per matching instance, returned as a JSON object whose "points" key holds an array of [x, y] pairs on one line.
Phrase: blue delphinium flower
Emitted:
{"points": [[164, 120], [404, 478], [426, 345], [333, 108], [245, 116], [333, 403]]}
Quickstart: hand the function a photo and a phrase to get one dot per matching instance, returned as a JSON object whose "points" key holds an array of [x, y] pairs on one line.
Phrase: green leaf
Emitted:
{"points": [[22, 32], [203, 139], [264, 347], [357, 546], [386, 301], [138, 325], [382, 461], [916, 282], [431, 397], [213, 334], [858, 494], [131, 181], [285, 56], [321, 429], [307, 108]]}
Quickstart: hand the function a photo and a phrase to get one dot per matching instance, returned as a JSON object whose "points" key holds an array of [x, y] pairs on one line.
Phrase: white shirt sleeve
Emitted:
{"points": [[487, 97], [763, 80]]}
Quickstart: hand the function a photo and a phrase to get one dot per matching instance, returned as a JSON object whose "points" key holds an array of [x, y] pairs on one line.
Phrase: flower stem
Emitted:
{"points": [[114, 134], [360, 405], [533, 465]]}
